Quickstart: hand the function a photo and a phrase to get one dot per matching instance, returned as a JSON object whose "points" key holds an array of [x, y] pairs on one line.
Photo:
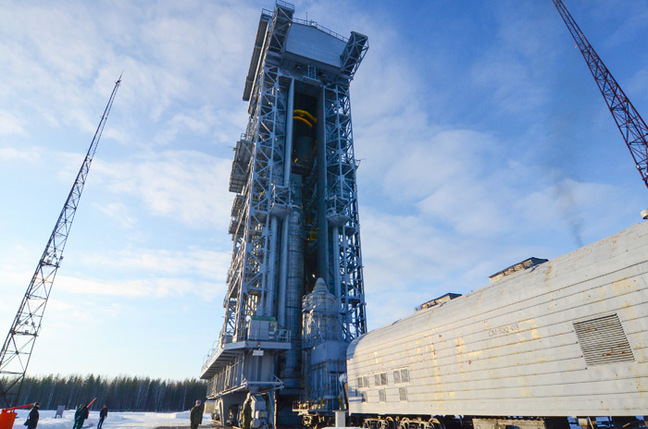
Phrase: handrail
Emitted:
{"points": [[312, 23]]}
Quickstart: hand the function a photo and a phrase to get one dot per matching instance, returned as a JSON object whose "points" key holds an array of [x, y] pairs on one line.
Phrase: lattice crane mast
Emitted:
{"points": [[630, 124], [19, 344]]}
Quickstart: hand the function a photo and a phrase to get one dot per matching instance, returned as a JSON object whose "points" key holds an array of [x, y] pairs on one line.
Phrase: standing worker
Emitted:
{"points": [[246, 415], [80, 416], [102, 416], [32, 420], [77, 413], [196, 415]]}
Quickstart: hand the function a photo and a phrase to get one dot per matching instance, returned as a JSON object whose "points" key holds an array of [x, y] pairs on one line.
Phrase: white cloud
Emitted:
{"points": [[168, 57], [153, 287], [511, 69], [12, 154], [436, 160], [138, 273], [189, 187], [9, 124], [120, 212], [203, 264]]}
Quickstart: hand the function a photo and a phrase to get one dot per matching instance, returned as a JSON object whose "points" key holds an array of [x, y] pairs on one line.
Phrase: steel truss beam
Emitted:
{"points": [[631, 125], [19, 344], [342, 211]]}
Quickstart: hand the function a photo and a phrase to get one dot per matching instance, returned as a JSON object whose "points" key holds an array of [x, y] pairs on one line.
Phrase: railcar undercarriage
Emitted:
{"points": [[471, 422]]}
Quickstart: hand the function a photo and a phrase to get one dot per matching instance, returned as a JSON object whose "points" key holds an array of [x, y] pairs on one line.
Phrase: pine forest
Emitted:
{"points": [[121, 393]]}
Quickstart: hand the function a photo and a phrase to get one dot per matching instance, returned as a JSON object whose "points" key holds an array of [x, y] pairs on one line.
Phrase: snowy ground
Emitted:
{"points": [[115, 420]]}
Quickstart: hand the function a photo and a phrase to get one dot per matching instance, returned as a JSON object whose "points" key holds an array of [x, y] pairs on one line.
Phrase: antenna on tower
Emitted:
{"points": [[19, 344]]}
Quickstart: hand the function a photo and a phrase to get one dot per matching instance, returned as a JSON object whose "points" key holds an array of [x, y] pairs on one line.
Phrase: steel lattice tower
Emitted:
{"points": [[631, 125], [19, 344], [294, 221]]}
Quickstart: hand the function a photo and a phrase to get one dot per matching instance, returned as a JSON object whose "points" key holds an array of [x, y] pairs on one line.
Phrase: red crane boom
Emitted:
{"points": [[630, 124]]}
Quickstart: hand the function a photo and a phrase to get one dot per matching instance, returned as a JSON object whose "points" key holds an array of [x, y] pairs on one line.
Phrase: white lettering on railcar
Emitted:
{"points": [[503, 330]]}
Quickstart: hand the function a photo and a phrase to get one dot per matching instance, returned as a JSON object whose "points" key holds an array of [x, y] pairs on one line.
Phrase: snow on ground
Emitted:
{"points": [[115, 420], [118, 420]]}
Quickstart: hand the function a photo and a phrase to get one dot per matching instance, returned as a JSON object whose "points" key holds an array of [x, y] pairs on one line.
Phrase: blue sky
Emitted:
{"points": [[482, 137]]}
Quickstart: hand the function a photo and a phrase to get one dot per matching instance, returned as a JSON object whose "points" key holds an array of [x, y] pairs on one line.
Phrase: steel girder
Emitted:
{"points": [[342, 208], [354, 52], [248, 273]]}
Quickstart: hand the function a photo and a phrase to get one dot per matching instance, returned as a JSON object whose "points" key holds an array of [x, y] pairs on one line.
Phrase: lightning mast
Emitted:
{"points": [[630, 124], [19, 344]]}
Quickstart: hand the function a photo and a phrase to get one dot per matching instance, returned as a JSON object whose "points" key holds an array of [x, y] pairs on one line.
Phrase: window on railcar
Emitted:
{"points": [[380, 379], [402, 393], [405, 376]]}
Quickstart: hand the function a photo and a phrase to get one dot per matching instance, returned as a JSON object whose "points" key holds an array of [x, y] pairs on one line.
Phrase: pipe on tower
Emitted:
{"points": [[294, 294], [283, 274]]}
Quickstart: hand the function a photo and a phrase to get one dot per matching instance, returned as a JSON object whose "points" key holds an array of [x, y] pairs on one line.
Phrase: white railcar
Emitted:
{"points": [[565, 338]]}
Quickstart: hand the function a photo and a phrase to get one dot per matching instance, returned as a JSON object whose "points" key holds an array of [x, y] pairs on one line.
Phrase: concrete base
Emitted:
{"points": [[340, 419]]}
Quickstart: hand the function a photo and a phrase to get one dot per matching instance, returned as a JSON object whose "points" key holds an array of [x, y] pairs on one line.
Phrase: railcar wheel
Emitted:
{"points": [[318, 422], [307, 421], [387, 423], [435, 423]]}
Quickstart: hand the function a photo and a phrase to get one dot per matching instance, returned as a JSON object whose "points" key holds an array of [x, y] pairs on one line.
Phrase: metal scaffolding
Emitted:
{"points": [[294, 221]]}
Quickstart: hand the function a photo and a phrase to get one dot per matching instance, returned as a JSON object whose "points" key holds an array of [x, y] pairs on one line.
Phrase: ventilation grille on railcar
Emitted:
{"points": [[603, 341]]}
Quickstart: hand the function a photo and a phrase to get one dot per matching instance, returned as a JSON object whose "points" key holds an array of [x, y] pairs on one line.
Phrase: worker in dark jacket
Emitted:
{"points": [[80, 416], [196, 415], [32, 420], [77, 414], [246, 418], [102, 416]]}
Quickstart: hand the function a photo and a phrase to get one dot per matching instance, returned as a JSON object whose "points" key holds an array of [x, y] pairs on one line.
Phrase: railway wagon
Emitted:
{"points": [[553, 339]]}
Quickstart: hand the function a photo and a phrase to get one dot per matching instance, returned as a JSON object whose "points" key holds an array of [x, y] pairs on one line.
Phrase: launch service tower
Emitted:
{"points": [[295, 288]]}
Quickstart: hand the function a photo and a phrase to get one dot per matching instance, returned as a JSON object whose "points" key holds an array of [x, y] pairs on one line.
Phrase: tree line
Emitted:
{"points": [[122, 393]]}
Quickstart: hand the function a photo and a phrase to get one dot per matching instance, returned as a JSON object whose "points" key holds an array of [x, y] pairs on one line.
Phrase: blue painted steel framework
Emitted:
{"points": [[294, 220], [19, 344]]}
